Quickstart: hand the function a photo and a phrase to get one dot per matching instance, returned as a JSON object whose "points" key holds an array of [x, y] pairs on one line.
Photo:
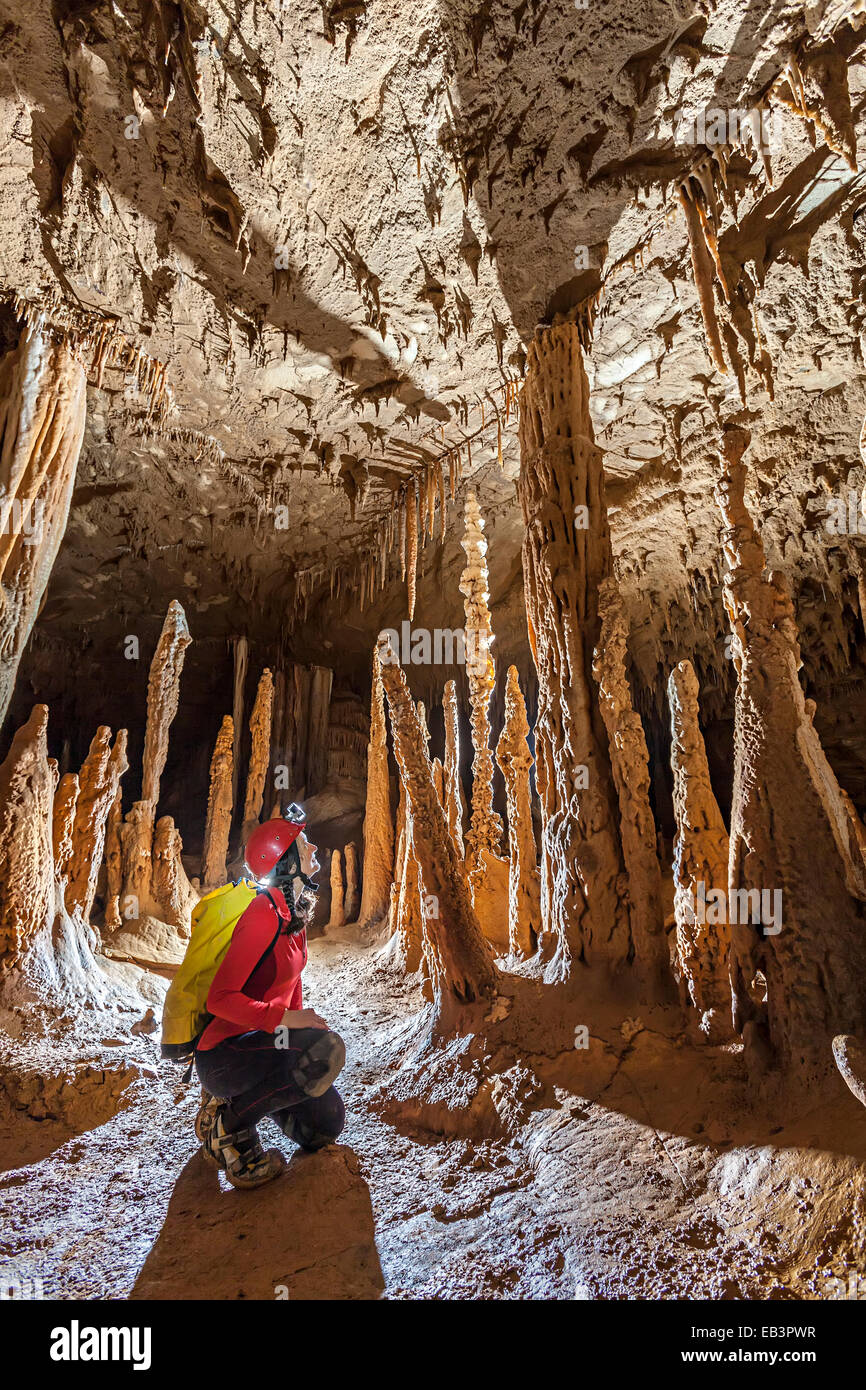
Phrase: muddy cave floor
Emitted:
{"points": [[643, 1167]]}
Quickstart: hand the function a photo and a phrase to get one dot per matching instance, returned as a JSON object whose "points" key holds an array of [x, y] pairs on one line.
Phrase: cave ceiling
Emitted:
{"points": [[337, 226]]}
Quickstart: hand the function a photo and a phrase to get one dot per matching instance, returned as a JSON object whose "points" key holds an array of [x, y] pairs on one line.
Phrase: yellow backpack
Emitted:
{"points": [[184, 1012]]}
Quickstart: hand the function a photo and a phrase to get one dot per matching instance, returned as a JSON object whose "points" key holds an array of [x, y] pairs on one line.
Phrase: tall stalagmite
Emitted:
{"points": [[260, 729], [137, 833], [27, 894], [317, 731], [458, 957], [566, 556], [378, 825], [338, 898], [786, 818], [629, 761], [99, 781], [453, 801], [163, 694], [114, 864], [63, 822], [703, 936], [485, 827], [42, 417], [352, 894], [219, 809], [515, 761], [240, 661]]}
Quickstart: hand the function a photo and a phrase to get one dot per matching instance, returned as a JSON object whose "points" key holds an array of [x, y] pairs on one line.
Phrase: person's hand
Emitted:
{"points": [[303, 1018]]}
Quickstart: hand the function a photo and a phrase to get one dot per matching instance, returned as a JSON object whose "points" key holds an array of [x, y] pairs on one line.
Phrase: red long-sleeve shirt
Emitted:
{"points": [[249, 992]]}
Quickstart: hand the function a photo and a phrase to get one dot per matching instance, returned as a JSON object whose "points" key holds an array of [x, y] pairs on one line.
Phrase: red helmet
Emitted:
{"points": [[268, 843]]}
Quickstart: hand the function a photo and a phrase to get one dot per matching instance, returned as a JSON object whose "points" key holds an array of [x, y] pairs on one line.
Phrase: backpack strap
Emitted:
{"points": [[276, 937]]}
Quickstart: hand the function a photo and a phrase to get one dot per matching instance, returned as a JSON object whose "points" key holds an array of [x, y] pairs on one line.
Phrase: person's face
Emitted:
{"points": [[307, 856]]}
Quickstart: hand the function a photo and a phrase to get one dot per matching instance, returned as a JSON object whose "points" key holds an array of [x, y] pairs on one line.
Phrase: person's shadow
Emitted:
{"points": [[307, 1235]]}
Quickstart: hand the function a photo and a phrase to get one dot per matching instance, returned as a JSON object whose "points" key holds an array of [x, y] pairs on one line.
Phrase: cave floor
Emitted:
{"points": [[639, 1171]]}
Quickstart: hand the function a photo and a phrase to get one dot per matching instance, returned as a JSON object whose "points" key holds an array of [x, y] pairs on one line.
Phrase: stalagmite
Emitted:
{"points": [[485, 827], [352, 894], [703, 936], [409, 924], [163, 690], [170, 887], [439, 780], [240, 654], [137, 833], [260, 729], [322, 681], [515, 761], [338, 910], [27, 893], [136, 855], [42, 418], [114, 864], [99, 781], [786, 818], [629, 760], [399, 863], [63, 822], [460, 964], [219, 809], [453, 801], [566, 556], [378, 826]]}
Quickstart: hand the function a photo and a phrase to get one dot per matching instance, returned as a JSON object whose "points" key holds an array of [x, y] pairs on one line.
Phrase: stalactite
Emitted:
{"points": [[378, 825], [453, 802], [99, 780], [412, 544], [260, 730], [219, 809], [443, 505], [42, 418], [566, 555], [629, 761], [515, 761], [338, 910], [700, 867], [459, 961], [702, 265], [786, 817]]}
